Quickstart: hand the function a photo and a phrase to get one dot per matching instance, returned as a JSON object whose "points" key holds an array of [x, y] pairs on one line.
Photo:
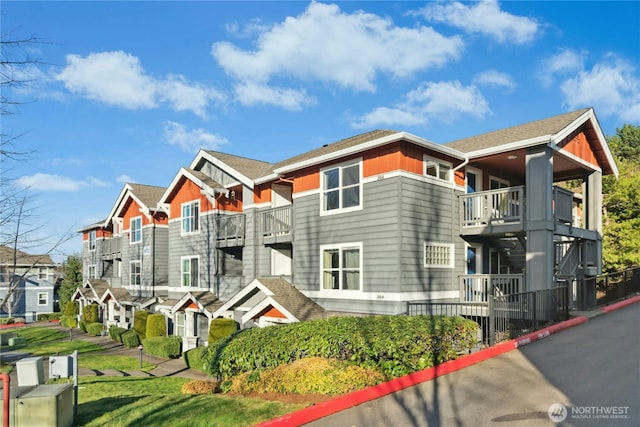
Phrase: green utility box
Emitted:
{"points": [[49, 405]]}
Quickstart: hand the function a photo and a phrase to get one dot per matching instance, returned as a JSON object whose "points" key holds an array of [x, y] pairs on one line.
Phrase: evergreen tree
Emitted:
{"points": [[72, 269]]}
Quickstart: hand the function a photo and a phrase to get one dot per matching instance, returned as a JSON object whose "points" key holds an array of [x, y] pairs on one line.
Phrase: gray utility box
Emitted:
{"points": [[49, 405], [30, 371], [60, 366]]}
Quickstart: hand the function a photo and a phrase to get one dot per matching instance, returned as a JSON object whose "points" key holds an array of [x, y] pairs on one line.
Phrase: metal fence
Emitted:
{"points": [[503, 317], [616, 286]]}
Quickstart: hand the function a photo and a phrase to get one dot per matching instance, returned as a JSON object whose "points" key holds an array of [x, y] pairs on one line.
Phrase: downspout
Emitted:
{"points": [[153, 262], [453, 191]]}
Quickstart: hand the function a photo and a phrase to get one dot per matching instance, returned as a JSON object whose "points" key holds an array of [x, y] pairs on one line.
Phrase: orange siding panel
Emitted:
{"points": [[579, 146], [187, 191], [273, 312]]}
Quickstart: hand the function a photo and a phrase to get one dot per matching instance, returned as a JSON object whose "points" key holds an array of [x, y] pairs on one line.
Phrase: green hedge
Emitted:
{"points": [[115, 332], [95, 328], [156, 325], [394, 345], [43, 317], [69, 321], [130, 339], [7, 320], [221, 328], [168, 347], [90, 313], [83, 326], [140, 323], [194, 358], [72, 309]]}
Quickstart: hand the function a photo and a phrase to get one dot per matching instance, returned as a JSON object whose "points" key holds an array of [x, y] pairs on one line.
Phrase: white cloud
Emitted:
{"points": [[191, 140], [323, 44], [123, 179], [249, 93], [566, 61], [48, 182], [443, 101], [484, 17], [118, 78], [612, 87], [495, 79]]}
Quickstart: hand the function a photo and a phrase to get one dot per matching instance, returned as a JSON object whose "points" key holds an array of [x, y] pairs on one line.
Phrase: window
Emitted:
{"points": [[438, 255], [341, 188], [497, 183], [43, 273], [135, 272], [43, 298], [92, 272], [190, 272], [190, 217], [136, 230], [180, 321], [92, 240], [341, 267], [437, 169]]}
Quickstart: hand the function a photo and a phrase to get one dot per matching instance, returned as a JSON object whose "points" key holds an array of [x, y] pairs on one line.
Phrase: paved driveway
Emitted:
{"points": [[592, 370]]}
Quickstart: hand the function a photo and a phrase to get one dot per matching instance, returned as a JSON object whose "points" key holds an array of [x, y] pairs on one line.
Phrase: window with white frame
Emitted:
{"points": [[437, 168], [341, 267], [190, 271], [135, 273], [190, 217], [136, 230], [43, 273], [92, 240], [438, 255], [497, 183], [341, 188], [43, 298], [92, 272], [180, 322]]}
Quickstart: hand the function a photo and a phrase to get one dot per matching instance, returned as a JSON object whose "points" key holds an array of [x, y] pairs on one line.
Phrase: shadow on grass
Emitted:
{"points": [[91, 410]]}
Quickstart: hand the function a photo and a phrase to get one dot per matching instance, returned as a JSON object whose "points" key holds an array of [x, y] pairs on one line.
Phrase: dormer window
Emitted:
{"points": [[190, 217]]}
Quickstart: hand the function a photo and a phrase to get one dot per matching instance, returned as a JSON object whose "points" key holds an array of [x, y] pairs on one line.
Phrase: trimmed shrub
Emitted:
{"points": [[70, 317], [44, 317], [115, 332], [130, 339], [90, 313], [95, 328], [221, 328], [200, 387], [312, 375], [194, 358], [156, 325], [7, 320], [393, 345], [140, 323], [167, 347], [83, 326], [69, 321], [72, 308]]}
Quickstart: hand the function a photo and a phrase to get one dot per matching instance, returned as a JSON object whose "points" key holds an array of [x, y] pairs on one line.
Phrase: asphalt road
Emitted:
{"points": [[592, 370]]}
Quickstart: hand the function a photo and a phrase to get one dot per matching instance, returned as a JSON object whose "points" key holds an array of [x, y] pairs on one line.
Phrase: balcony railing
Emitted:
{"points": [[111, 247], [277, 221], [231, 227], [504, 206], [478, 287]]}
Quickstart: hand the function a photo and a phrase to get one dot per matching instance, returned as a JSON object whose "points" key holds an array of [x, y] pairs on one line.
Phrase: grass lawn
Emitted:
{"points": [[135, 401], [47, 341]]}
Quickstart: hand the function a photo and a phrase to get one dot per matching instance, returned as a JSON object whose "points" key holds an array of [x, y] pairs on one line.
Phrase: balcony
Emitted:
{"points": [[231, 230], [497, 212], [111, 248], [277, 225], [478, 287]]}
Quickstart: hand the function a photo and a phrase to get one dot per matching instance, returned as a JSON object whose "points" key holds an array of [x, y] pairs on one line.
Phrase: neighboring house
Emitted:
{"points": [[368, 223], [33, 277]]}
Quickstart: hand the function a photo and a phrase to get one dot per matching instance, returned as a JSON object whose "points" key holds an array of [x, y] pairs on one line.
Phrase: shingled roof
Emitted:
{"points": [[250, 168], [298, 304], [22, 258], [538, 128], [149, 195]]}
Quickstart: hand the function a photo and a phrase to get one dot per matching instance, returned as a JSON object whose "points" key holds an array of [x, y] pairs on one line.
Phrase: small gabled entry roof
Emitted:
{"points": [[147, 196], [240, 169], [204, 301], [272, 297], [207, 184], [91, 290]]}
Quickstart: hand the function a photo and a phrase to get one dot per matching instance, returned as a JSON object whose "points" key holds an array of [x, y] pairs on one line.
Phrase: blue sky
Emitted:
{"points": [[129, 91]]}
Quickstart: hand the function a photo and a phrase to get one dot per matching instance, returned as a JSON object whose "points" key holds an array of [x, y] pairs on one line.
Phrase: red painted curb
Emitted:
{"points": [[355, 398], [621, 304]]}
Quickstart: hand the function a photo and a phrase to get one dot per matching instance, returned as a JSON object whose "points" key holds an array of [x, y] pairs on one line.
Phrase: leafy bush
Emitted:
{"points": [[200, 387], [69, 321], [116, 332], [221, 328], [83, 326], [130, 339], [95, 328], [194, 358], [167, 347], [310, 375], [43, 317], [70, 317], [71, 309], [7, 320], [156, 325], [393, 345], [140, 323], [90, 313]]}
